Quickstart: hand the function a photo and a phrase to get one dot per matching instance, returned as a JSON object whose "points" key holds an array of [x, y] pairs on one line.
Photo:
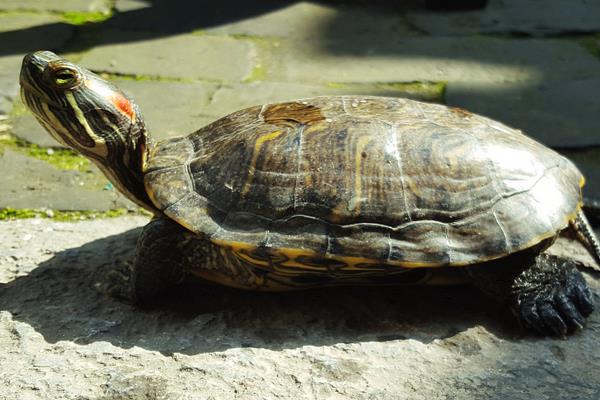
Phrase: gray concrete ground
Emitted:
{"points": [[533, 67]]}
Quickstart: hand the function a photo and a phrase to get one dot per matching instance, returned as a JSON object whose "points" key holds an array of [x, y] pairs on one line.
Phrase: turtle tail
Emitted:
{"points": [[586, 235]]}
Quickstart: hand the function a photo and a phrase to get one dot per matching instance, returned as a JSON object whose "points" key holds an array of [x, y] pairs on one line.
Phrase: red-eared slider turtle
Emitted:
{"points": [[332, 190]]}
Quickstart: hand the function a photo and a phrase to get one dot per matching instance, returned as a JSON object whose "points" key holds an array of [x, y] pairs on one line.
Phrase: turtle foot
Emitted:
{"points": [[120, 285], [552, 297]]}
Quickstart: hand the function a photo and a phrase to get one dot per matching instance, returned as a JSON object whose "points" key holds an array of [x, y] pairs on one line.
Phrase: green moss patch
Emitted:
{"points": [[591, 44], [82, 18], [60, 158], [258, 73], [9, 213], [432, 90]]}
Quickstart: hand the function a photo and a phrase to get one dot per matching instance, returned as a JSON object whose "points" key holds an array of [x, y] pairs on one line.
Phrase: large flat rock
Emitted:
{"points": [[559, 114], [532, 17], [310, 21], [63, 338], [30, 183], [471, 60], [179, 56]]}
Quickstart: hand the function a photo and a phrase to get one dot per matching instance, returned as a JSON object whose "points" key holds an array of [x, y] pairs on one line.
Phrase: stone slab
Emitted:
{"points": [[62, 5], [309, 21], [531, 17], [30, 183], [168, 108], [469, 59], [64, 338], [559, 114], [179, 56]]}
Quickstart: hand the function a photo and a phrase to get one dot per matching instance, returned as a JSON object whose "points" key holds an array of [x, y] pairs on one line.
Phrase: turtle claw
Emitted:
{"points": [[556, 307], [120, 285]]}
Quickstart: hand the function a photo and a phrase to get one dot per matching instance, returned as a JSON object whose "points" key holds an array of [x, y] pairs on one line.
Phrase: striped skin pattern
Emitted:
{"points": [[89, 115], [363, 183]]}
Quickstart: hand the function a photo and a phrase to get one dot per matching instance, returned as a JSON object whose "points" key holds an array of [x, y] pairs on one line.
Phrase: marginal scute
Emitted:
{"points": [[364, 181]]}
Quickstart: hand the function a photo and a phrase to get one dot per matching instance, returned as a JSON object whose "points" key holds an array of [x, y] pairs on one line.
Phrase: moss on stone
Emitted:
{"points": [[433, 90], [258, 73], [60, 158], [336, 85], [591, 44], [81, 18], [9, 213]]}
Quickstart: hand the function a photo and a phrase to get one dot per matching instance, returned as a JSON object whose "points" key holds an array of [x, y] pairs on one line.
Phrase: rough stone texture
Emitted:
{"points": [[20, 34], [30, 183], [63, 5], [62, 337], [561, 114], [473, 60], [532, 17], [179, 56]]}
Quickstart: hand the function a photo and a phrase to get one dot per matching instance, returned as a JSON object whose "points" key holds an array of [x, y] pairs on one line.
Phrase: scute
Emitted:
{"points": [[365, 180]]}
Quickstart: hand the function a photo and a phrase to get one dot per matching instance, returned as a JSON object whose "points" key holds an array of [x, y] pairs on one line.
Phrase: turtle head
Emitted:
{"points": [[88, 114]]}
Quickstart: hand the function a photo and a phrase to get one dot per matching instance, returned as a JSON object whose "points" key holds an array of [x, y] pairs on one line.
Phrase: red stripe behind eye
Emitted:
{"points": [[123, 104]]}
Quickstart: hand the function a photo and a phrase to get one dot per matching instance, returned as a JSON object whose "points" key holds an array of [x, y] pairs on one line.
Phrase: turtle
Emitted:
{"points": [[332, 190]]}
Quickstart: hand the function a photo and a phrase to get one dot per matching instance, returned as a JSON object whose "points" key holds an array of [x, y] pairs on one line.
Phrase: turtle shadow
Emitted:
{"points": [[63, 299]]}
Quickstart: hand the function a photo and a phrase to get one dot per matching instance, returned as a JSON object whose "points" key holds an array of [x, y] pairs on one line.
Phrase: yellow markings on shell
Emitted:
{"points": [[257, 147], [352, 261], [102, 151], [582, 181]]}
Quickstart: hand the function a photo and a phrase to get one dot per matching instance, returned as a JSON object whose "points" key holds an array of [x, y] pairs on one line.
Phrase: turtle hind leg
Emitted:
{"points": [[547, 294], [160, 262]]}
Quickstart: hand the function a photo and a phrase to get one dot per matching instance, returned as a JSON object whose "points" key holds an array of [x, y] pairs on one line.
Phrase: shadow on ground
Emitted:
{"points": [[63, 299]]}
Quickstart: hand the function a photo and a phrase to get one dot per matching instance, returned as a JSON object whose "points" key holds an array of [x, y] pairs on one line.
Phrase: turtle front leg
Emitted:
{"points": [[161, 261], [547, 294]]}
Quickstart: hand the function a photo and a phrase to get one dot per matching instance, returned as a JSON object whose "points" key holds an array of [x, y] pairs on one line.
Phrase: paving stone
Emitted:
{"points": [[560, 114], [236, 97], [169, 109], [26, 127], [309, 21], [533, 17], [472, 59], [179, 56], [30, 183], [19, 34], [63, 5]]}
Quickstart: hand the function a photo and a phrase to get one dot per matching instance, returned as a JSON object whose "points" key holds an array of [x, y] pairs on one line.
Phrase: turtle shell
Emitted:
{"points": [[361, 181]]}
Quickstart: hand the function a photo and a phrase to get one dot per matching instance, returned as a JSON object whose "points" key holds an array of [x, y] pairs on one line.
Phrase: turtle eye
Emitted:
{"points": [[64, 77]]}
